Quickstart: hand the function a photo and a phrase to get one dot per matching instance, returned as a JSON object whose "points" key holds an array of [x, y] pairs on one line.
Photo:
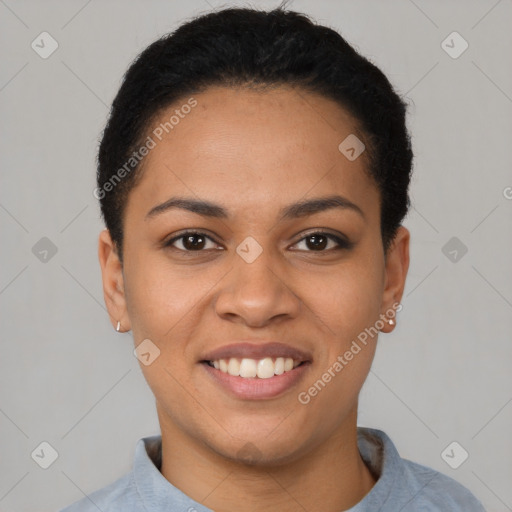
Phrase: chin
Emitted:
{"points": [[260, 452]]}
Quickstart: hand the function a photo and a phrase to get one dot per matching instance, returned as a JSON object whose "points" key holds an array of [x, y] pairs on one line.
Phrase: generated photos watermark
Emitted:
{"points": [[150, 143], [343, 360]]}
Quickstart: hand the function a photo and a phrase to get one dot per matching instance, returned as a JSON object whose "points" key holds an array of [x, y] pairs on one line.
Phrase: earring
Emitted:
{"points": [[118, 327], [391, 321]]}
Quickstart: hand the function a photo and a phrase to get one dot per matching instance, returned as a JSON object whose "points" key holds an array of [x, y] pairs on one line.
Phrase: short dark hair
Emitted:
{"points": [[255, 48]]}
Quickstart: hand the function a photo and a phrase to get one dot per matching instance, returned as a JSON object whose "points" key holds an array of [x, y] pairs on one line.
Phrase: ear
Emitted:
{"points": [[113, 282], [397, 265]]}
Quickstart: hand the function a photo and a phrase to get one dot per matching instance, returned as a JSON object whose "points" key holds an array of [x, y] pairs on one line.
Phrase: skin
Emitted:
{"points": [[254, 153]]}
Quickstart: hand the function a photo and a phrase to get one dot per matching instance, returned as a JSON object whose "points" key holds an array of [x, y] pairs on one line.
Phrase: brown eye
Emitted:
{"points": [[323, 242], [190, 242], [194, 242], [316, 242]]}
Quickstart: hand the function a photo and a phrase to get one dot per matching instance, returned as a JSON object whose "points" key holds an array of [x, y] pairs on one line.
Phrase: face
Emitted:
{"points": [[285, 261]]}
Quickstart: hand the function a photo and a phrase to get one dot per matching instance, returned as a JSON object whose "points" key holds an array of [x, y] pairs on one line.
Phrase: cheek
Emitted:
{"points": [[162, 300], [349, 349], [346, 301], [346, 305]]}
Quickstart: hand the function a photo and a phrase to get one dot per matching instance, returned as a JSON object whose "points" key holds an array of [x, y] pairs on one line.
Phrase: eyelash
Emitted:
{"points": [[342, 243]]}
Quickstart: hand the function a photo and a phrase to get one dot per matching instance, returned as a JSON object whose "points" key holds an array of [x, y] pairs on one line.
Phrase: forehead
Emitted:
{"points": [[252, 148]]}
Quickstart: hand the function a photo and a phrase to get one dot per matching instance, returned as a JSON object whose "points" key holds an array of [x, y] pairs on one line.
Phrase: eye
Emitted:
{"points": [[196, 241], [323, 242], [190, 241]]}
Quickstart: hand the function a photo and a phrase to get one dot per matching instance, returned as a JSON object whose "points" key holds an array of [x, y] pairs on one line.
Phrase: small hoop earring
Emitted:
{"points": [[118, 327]]}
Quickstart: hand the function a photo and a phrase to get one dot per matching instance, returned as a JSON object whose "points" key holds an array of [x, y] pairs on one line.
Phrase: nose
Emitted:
{"points": [[257, 293]]}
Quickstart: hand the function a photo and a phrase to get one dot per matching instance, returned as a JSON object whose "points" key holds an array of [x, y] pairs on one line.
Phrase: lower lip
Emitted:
{"points": [[255, 388]]}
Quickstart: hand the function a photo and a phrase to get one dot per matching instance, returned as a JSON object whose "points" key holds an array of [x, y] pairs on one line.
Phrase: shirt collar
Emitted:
{"points": [[382, 458], [157, 493]]}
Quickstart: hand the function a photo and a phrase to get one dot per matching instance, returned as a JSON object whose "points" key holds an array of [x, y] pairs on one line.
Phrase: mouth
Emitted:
{"points": [[248, 368], [249, 371]]}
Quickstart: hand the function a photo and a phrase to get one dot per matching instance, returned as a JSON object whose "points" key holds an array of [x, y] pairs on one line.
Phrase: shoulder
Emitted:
{"points": [[431, 490], [408, 486], [120, 495]]}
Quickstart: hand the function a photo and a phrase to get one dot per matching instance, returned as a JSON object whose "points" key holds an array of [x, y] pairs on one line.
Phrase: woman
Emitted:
{"points": [[253, 177]]}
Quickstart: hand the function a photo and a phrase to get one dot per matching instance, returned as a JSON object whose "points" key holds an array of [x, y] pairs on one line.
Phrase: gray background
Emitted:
{"points": [[68, 379]]}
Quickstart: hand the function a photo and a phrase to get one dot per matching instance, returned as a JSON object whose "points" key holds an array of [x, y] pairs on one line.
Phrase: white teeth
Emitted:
{"points": [[249, 368], [279, 366], [265, 368], [234, 367]]}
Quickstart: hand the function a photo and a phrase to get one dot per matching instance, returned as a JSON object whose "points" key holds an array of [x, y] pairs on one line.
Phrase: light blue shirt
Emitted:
{"points": [[402, 485]]}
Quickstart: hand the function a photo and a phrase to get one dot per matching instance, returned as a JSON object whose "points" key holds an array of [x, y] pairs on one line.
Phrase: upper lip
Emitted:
{"points": [[257, 351]]}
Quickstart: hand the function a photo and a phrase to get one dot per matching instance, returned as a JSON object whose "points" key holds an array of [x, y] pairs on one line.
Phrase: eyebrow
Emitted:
{"points": [[292, 211]]}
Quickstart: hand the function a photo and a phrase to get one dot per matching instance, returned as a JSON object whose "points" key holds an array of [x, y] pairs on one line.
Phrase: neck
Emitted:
{"points": [[330, 477]]}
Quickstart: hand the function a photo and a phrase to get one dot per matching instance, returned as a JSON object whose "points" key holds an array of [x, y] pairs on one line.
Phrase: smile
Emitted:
{"points": [[255, 371], [247, 368]]}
